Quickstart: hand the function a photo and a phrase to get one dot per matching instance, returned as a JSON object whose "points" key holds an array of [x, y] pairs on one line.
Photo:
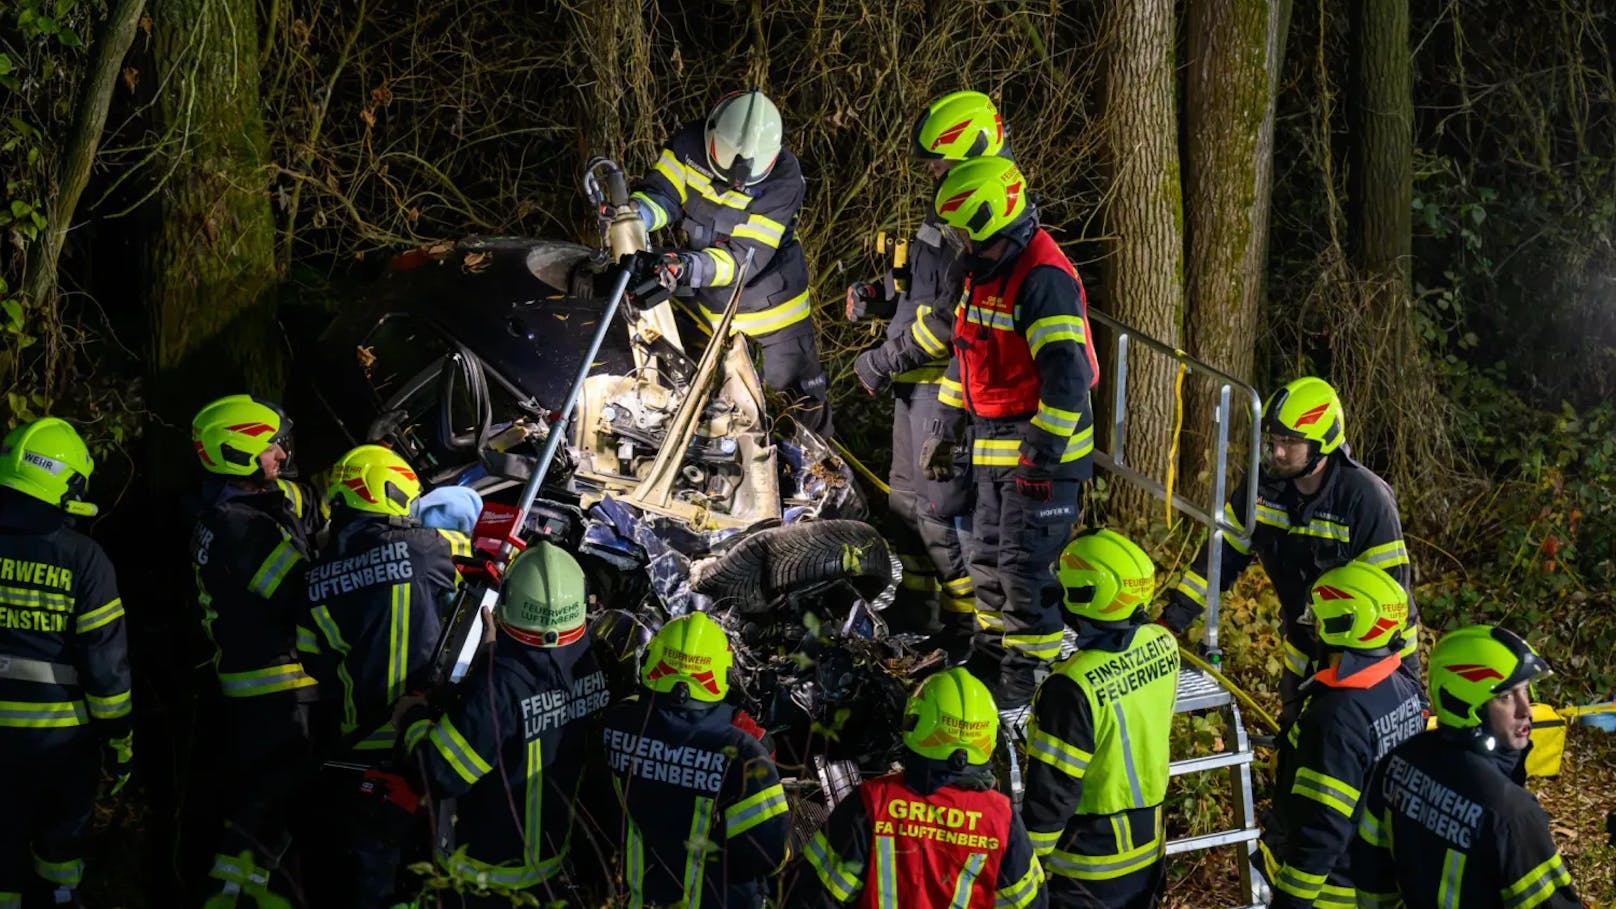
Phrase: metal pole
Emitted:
{"points": [[1119, 399], [1214, 559], [558, 429]]}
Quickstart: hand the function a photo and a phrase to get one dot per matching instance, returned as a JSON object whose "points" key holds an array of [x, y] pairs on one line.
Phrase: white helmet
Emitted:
{"points": [[743, 138]]}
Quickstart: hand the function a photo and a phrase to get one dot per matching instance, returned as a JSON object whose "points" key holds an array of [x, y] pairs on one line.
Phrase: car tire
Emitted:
{"points": [[771, 563]]}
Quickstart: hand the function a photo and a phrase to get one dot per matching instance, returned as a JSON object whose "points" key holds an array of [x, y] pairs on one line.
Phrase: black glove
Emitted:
{"points": [[937, 458], [865, 300], [872, 371], [1032, 482], [674, 270], [119, 760], [1178, 615]]}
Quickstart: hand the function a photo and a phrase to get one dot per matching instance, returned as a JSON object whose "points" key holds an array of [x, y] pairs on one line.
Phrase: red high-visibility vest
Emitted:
{"points": [[997, 372], [934, 851]]}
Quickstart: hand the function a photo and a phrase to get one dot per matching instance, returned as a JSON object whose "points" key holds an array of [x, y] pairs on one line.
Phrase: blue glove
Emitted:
{"points": [[449, 508]]}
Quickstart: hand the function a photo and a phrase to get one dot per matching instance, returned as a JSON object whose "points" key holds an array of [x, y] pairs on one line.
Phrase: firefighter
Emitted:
{"points": [[1021, 371], [372, 623], [701, 819], [64, 666], [936, 834], [1316, 508], [1097, 745], [919, 300], [1447, 819], [1354, 711], [524, 708], [249, 548], [730, 186]]}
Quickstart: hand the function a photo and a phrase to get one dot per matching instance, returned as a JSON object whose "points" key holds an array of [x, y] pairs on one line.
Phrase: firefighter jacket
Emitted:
{"points": [[700, 814], [374, 615], [920, 334], [1022, 365], [722, 225], [1353, 516], [516, 735], [64, 660], [1097, 753], [928, 837], [249, 550], [1448, 824], [1353, 714]]}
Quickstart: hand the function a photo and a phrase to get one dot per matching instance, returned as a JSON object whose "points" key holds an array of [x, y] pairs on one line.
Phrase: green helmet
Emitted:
{"points": [[373, 479], [1472, 665], [692, 651], [1307, 407], [952, 712], [544, 597], [982, 196], [1359, 607], [744, 134], [232, 432], [958, 126], [46, 459], [1105, 577]]}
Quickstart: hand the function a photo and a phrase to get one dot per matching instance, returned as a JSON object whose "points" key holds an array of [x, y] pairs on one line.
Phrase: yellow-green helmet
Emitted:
{"points": [[982, 196], [372, 478], [232, 432], [543, 598], [1307, 407], [952, 712], [692, 651], [1359, 607], [958, 126], [1472, 665], [48, 460], [1105, 577]]}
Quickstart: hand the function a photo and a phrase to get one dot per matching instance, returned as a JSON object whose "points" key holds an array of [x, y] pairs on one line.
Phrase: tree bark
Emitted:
{"points": [[1144, 271], [212, 256], [1380, 124], [1235, 59]]}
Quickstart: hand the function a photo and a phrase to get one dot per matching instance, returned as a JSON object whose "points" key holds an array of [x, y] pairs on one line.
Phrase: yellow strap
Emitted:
{"points": [[1178, 428]]}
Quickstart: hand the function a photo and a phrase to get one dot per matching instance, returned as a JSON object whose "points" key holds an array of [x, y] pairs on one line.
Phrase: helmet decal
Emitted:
{"points": [[1475, 672], [1313, 415]]}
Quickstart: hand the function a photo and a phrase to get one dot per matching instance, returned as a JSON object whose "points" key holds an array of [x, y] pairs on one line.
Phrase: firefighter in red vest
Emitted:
{"points": [[1021, 371], [935, 835]]}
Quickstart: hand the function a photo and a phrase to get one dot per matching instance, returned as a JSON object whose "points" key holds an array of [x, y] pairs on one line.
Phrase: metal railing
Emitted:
{"points": [[1212, 516]]}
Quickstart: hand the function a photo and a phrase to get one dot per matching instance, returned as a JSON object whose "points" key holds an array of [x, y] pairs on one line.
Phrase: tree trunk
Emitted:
{"points": [[212, 256], [1144, 271], [1381, 127], [1235, 59]]}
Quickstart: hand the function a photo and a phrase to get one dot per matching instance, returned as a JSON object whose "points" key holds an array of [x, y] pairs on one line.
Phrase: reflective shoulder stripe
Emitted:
{"points": [[1068, 759], [110, 707], [459, 754], [274, 569], [1373, 831], [842, 880], [459, 543], [100, 616], [754, 810], [1325, 789], [1537, 885], [1052, 329], [1022, 892], [668, 165]]}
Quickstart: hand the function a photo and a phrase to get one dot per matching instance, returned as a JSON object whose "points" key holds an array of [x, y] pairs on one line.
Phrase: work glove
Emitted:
{"points": [[872, 371], [675, 269], [866, 300], [1032, 481], [1178, 615], [119, 761], [937, 458]]}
